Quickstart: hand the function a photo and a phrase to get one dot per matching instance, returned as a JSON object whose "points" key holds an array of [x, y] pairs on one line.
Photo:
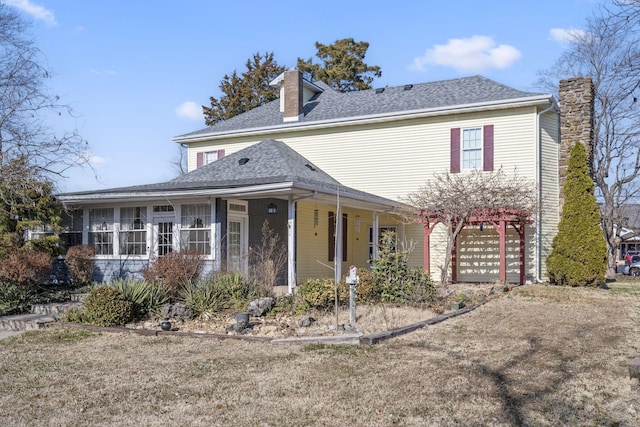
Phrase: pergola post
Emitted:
{"points": [[502, 232], [454, 261]]}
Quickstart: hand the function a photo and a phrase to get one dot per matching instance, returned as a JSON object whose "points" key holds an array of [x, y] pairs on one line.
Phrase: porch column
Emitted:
{"points": [[338, 244], [375, 238], [291, 245]]}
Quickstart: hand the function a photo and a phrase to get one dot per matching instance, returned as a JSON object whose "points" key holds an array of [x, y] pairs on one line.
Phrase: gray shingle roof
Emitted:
{"points": [[267, 162], [332, 105]]}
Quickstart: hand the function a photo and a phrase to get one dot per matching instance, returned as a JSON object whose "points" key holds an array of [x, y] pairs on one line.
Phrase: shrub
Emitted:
{"points": [[395, 280], [25, 267], [579, 252], [367, 292], [317, 293], [146, 297], [174, 270], [80, 260], [11, 298], [107, 306]]}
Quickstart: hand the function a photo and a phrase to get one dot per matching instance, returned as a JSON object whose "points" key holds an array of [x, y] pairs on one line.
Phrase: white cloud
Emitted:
{"points": [[189, 110], [36, 11], [103, 72], [472, 54], [566, 35]]}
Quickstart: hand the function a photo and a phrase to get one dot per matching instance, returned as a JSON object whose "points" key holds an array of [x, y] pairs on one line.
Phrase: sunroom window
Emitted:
{"points": [[71, 233], [133, 231], [101, 230], [195, 230]]}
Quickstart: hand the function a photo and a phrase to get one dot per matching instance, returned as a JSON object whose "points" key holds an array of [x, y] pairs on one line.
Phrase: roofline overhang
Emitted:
{"points": [[282, 190], [539, 100]]}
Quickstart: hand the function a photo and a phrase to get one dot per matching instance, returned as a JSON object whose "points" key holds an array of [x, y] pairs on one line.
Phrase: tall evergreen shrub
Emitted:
{"points": [[579, 253]]}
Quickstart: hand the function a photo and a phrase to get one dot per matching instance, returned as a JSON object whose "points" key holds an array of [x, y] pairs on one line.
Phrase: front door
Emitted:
{"points": [[237, 244], [163, 236]]}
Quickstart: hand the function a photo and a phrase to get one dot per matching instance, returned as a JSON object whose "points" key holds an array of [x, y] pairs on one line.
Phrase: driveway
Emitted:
{"points": [[7, 334]]}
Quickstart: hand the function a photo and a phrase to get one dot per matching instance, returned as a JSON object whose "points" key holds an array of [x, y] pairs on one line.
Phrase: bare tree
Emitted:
{"points": [[26, 143], [268, 261], [452, 199], [609, 53]]}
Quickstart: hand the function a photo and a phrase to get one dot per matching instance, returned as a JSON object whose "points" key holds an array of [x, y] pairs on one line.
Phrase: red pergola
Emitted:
{"points": [[499, 219]]}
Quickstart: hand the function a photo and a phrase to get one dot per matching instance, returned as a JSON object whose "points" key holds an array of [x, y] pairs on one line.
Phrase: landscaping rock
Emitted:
{"points": [[260, 306], [307, 321], [177, 311]]}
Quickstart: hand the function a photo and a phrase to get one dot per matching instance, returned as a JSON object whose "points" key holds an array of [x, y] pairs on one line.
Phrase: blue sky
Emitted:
{"points": [[137, 72]]}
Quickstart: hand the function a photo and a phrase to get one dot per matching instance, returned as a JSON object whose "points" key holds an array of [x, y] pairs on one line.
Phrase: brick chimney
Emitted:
{"points": [[576, 100], [293, 109]]}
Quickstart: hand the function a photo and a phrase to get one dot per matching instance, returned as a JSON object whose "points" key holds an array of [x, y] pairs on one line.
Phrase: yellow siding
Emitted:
{"points": [[550, 185], [393, 159], [313, 241], [364, 157]]}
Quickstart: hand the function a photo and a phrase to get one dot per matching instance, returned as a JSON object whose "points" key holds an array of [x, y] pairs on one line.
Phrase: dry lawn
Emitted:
{"points": [[538, 356]]}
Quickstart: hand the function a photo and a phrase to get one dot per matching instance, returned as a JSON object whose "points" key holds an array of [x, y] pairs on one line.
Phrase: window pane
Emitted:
{"points": [[101, 230], [472, 148], [195, 234], [133, 233]]}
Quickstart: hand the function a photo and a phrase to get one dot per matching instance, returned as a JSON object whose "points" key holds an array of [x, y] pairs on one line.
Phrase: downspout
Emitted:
{"points": [[538, 243]]}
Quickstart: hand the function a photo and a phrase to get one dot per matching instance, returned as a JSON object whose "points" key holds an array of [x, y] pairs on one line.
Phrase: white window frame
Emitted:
{"points": [[210, 157], [477, 149], [102, 224], [126, 227], [205, 228]]}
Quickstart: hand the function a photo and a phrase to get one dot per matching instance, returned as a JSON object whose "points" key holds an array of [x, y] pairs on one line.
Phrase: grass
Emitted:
{"points": [[538, 356]]}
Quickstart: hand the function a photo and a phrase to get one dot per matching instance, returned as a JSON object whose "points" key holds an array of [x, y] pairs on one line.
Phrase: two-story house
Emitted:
{"points": [[316, 155]]}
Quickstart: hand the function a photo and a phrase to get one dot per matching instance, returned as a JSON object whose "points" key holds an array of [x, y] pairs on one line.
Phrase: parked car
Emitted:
{"points": [[633, 268]]}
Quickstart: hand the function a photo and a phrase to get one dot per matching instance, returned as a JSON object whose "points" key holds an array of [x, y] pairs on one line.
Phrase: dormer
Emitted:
{"points": [[294, 93]]}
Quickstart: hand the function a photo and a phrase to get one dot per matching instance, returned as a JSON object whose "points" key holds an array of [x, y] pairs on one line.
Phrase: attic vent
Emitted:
{"points": [[310, 166], [243, 161], [408, 87], [380, 90]]}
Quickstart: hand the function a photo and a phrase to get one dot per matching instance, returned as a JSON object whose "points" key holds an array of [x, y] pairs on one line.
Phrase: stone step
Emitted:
{"points": [[78, 297], [54, 309], [25, 322]]}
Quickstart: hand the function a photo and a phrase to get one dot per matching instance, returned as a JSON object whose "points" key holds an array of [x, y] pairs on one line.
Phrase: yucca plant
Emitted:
{"points": [[146, 297]]}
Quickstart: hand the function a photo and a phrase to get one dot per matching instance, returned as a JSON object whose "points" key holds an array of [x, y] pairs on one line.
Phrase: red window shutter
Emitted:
{"points": [[220, 154], [199, 159], [455, 150], [345, 224], [487, 139], [332, 238]]}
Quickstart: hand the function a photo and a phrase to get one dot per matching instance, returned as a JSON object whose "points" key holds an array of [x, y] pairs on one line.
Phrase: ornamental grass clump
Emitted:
{"points": [[218, 293], [146, 297]]}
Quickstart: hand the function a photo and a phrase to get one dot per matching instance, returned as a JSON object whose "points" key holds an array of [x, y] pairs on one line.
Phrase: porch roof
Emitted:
{"points": [[267, 169]]}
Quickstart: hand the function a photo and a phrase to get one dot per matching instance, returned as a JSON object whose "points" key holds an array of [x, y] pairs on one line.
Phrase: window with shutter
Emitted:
{"points": [[472, 148]]}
